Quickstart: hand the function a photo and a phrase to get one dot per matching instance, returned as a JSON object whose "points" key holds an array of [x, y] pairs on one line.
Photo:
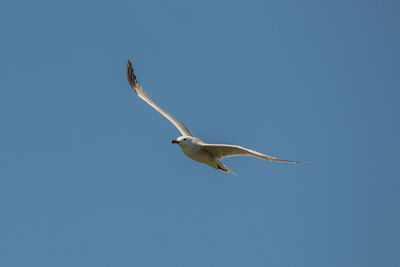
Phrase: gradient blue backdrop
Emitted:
{"points": [[89, 178]]}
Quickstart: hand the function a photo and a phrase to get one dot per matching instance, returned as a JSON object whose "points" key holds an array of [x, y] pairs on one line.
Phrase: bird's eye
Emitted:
{"points": [[184, 139]]}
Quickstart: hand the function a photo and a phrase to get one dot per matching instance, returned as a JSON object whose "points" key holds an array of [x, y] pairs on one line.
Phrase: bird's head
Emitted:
{"points": [[184, 140]]}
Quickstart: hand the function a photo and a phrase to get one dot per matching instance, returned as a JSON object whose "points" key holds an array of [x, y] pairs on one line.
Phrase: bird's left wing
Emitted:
{"points": [[223, 151], [143, 95]]}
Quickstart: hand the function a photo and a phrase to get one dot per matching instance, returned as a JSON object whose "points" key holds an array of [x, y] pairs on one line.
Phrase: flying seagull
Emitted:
{"points": [[194, 147]]}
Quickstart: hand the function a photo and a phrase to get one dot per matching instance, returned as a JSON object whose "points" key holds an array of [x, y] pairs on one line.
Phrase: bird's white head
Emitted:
{"points": [[185, 140]]}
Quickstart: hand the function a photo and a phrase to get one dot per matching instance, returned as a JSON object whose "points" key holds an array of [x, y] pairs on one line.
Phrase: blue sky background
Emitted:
{"points": [[88, 174]]}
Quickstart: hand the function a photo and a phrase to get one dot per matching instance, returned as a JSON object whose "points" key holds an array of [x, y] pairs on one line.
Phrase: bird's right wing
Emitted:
{"points": [[222, 151], [143, 95]]}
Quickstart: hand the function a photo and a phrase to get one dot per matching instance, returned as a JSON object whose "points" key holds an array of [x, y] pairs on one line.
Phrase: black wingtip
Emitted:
{"points": [[130, 73], [129, 66]]}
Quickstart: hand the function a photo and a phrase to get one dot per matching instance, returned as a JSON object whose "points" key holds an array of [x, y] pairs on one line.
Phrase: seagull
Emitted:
{"points": [[194, 147]]}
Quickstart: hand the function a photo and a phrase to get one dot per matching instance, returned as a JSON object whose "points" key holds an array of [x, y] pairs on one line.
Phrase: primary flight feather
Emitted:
{"points": [[194, 147]]}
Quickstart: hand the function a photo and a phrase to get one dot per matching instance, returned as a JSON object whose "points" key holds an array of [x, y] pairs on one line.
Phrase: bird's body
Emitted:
{"points": [[197, 150], [194, 147]]}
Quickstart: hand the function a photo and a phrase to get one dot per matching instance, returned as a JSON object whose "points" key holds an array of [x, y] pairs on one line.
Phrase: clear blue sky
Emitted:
{"points": [[88, 174]]}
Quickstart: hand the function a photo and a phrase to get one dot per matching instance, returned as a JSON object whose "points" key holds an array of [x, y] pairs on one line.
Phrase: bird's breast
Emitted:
{"points": [[196, 153]]}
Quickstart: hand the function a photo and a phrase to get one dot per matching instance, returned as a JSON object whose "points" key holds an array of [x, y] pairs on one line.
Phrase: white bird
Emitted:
{"points": [[194, 147]]}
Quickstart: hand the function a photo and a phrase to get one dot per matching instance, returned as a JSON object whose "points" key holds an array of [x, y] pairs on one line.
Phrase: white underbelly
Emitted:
{"points": [[198, 155]]}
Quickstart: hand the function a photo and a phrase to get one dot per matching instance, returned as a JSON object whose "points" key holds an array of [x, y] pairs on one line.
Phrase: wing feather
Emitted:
{"points": [[143, 95], [224, 151]]}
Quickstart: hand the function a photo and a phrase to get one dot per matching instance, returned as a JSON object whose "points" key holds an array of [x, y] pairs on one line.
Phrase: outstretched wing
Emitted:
{"points": [[223, 151], [143, 95]]}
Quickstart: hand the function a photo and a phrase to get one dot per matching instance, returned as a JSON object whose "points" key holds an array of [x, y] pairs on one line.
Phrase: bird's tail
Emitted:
{"points": [[223, 168]]}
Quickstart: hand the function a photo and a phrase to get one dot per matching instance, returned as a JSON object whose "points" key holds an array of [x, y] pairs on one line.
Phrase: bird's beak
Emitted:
{"points": [[174, 141]]}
